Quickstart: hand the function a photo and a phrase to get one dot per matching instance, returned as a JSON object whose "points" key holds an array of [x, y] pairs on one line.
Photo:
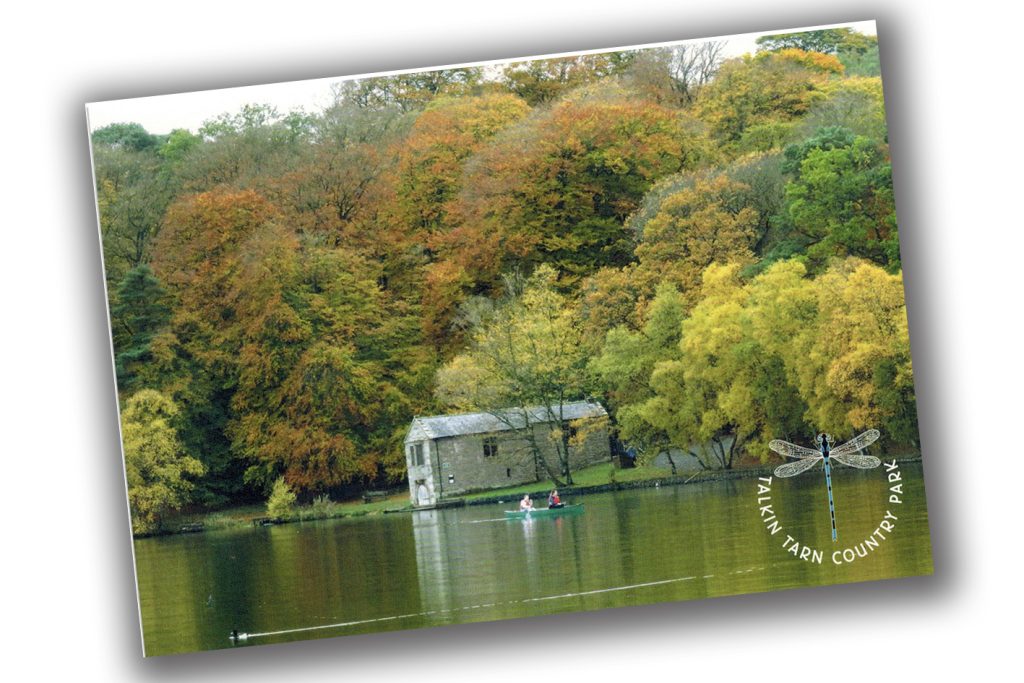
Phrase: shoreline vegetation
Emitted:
{"points": [[596, 479]]}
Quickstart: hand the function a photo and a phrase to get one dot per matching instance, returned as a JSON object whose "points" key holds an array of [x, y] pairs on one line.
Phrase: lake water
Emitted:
{"points": [[399, 571]]}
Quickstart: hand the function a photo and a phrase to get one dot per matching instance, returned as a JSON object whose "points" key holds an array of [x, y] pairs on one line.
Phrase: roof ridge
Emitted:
{"points": [[487, 412], [440, 426]]}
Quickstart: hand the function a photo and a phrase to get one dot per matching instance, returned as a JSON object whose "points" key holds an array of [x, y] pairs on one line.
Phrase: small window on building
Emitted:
{"points": [[508, 472], [416, 454], [490, 446]]}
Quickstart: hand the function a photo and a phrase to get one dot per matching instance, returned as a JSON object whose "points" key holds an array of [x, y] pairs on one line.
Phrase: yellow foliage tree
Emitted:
{"points": [[780, 356], [770, 89], [695, 228], [844, 341], [156, 465]]}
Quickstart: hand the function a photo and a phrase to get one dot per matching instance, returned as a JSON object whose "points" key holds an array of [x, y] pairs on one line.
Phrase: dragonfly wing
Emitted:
{"points": [[857, 443], [864, 462], [791, 450], [791, 469]]}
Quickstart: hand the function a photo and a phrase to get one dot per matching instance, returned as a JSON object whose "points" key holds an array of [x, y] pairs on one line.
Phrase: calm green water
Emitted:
{"points": [[340, 577]]}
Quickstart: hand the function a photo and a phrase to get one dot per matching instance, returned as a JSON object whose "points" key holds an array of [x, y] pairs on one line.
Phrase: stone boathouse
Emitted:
{"points": [[448, 455]]}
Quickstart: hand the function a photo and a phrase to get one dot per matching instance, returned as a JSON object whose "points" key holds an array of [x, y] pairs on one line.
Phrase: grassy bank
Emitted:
{"points": [[596, 478], [247, 516]]}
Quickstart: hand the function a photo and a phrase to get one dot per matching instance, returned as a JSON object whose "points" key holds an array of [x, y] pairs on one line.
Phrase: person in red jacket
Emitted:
{"points": [[553, 500]]}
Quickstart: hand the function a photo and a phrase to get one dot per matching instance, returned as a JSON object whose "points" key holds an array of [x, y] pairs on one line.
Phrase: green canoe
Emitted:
{"points": [[545, 512]]}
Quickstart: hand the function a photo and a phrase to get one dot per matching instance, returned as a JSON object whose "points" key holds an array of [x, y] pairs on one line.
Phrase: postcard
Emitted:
{"points": [[508, 339]]}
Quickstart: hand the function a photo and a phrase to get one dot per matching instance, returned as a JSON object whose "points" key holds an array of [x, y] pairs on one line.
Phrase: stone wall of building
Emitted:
{"points": [[465, 467], [422, 478], [594, 449]]}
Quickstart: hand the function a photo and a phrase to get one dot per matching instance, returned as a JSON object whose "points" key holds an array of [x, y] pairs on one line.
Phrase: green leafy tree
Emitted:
{"points": [[201, 254], [184, 364], [198, 257], [623, 368], [128, 136], [841, 198], [178, 145], [141, 309], [829, 41], [157, 467], [526, 353], [133, 192], [250, 118]]}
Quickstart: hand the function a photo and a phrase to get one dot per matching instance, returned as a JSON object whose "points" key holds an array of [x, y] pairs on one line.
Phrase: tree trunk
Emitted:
{"points": [[671, 462], [565, 459], [700, 460]]}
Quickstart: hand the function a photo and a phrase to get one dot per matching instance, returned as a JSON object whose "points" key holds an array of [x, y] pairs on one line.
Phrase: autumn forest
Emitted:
{"points": [[706, 246]]}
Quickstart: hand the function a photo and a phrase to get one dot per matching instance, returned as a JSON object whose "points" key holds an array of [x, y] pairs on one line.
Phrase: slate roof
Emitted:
{"points": [[441, 426]]}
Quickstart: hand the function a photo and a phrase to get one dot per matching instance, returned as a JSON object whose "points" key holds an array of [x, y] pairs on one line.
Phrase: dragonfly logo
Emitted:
{"points": [[826, 454]]}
